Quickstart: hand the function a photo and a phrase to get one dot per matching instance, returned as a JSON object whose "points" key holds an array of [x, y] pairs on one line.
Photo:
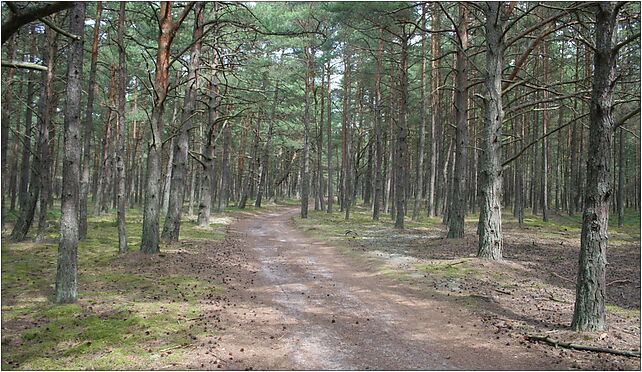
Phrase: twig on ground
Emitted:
{"points": [[569, 345], [561, 277], [619, 281]]}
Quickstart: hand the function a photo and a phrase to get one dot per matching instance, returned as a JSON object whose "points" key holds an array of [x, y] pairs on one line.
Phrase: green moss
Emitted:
{"points": [[122, 319], [451, 269], [616, 309]]}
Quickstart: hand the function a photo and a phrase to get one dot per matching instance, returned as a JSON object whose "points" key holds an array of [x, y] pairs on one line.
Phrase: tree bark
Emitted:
{"points": [[329, 147], [621, 180], [378, 189], [490, 218], [265, 157], [401, 134], [44, 123], [88, 127], [435, 112], [591, 279], [207, 183], [120, 142], [28, 191], [305, 166], [66, 274], [171, 228], [150, 235], [419, 164], [457, 202]]}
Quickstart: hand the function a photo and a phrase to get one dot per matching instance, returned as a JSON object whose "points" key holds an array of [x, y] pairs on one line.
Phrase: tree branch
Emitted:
{"points": [[29, 14]]}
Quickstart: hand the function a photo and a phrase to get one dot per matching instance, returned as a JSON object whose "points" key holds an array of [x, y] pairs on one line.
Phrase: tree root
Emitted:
{"points": [[568, 345]]}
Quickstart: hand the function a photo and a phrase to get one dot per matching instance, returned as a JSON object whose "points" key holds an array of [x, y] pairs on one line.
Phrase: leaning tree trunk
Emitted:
{"points": [[457, 202], [120, 141], [171, 229], [66, 274], [591, 278], [490, 217]]}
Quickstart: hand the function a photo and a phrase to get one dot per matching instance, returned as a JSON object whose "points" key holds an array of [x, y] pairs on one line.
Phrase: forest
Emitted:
{"points": [[321, 185]]}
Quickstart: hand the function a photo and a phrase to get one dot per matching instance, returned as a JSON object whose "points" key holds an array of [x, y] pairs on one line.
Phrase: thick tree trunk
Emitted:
{"points": [[150, 236], [88, 127], [171, 228], [120, 142], [457, 202], [490, 217], [66, 273], [591, 278]]}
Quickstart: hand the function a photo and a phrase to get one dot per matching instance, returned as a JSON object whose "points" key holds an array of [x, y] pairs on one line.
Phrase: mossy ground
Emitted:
{"points": [[125, 318]]}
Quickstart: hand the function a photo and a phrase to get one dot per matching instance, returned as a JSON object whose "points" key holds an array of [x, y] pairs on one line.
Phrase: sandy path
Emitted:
{"points": [[311, 306]]}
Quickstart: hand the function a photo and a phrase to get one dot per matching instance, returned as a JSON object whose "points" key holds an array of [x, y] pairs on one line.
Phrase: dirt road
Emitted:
{"points": [[310, 306]]}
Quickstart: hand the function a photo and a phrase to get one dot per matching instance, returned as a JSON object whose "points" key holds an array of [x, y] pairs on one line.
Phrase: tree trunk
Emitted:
{"points": [[205, 206], [419, 166], [265, 157], [378, 189], [435, 112], [305, 176], [457, 202], [591, 279], [345, 123], [150, 235], [120, 142], [171, 228], [401, 152], [66, 273], [28, 193], [329, 151], [45, 149], [6, 118], [88, 127], [620, 183], [225, 171], [490, 217]]}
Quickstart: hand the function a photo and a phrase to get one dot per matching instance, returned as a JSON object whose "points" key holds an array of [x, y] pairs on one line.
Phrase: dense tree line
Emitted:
{"points": [[442, 109]]}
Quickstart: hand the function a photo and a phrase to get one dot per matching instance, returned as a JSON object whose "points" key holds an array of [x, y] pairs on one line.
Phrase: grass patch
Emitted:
{"points": [[125, 315]]}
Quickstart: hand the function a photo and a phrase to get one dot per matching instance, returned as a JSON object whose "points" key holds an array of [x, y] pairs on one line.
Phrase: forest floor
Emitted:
{"points": [[267, 290]]}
